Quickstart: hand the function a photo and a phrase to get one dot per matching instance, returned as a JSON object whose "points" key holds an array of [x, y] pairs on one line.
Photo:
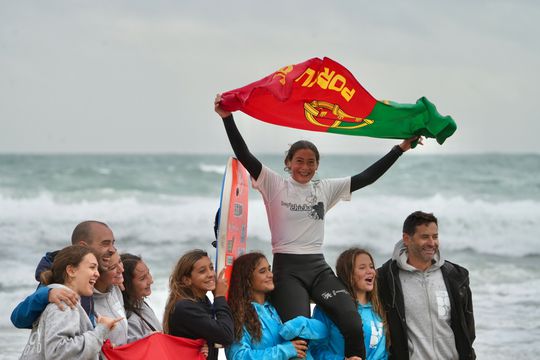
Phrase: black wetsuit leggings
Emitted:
{"points": [[299, 278]]}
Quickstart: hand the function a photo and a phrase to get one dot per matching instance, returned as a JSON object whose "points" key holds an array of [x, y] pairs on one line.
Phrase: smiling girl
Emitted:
{"points": [[256, 322], [108, 298], [188, 312], [69, 333], [142, 320], [355, 267], [296, 207]]}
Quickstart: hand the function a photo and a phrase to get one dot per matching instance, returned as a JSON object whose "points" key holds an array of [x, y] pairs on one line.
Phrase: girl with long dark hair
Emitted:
{"points": [[256, 321], [142, 320]]}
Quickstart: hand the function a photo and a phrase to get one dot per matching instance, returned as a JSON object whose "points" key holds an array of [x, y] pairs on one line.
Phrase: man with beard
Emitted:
{"points": [[427, 300]]}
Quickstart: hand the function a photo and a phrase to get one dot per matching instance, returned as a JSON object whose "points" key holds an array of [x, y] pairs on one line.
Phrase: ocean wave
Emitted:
{"points": [[43, 223], [508, 228], [210, 168]]}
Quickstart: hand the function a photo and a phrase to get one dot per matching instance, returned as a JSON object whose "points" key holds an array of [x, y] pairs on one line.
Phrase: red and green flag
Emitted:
{"points": [[322, 95]]}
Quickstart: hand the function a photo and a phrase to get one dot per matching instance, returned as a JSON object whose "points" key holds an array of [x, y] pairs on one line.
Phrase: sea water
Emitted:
{"points": [[159, 206]]}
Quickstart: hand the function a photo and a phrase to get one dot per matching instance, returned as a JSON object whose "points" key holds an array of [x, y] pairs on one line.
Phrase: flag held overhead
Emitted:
{"points": [[321, 95]]}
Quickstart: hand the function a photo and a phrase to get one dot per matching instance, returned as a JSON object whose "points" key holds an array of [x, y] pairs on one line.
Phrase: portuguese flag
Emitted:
{"points": [[322, 95]]}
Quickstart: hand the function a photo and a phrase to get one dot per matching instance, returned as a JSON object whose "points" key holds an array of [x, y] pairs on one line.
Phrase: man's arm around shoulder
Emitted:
{"points": [[30, 309]]}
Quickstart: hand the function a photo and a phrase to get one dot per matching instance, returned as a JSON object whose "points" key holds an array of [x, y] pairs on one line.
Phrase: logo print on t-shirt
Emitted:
{"points": [[376, 334], [443, 304], [317, 211], [314, 208]]}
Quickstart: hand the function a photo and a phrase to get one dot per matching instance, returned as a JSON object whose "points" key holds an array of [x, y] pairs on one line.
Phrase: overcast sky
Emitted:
{"points": [[141, 76]]}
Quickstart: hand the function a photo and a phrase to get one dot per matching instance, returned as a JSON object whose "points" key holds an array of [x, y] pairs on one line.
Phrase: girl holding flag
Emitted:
{"points": [[296, 207]]}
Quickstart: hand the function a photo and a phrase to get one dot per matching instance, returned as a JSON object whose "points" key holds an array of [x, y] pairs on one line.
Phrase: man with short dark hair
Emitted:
{"points": [[427, 300], [98, 236], [94, 234]]}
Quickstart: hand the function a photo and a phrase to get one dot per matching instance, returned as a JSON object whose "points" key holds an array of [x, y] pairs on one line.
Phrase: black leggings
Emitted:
{"points": [[299, 278]]}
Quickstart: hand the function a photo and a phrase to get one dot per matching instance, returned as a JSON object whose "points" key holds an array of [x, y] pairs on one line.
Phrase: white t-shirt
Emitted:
{"points": [[296, 211]]}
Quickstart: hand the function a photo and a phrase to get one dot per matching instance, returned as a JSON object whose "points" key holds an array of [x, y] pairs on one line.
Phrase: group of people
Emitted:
{"points": [[88, 293], [416, 306]]}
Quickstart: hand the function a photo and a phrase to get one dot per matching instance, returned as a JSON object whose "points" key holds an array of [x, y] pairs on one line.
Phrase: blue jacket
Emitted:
{"points": [[30, 309], [275, 340], [45, 264], [332, 347]]}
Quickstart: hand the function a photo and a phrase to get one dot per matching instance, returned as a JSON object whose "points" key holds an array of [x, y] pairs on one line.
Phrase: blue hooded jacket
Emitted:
{"points": [[275, 341], [332, 347]]}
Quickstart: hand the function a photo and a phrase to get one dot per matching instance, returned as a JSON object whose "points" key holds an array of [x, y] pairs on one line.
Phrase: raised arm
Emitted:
{"points": [[250, 162], [375, 171]]}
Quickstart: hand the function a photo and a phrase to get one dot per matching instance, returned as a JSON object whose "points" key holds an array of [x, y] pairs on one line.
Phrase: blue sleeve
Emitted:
{"points": [[243, 350], [30, 309], [320, 349], [303, 327]]}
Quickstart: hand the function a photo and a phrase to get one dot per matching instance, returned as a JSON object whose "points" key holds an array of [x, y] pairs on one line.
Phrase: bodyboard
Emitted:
{"points": [[233, 216]]}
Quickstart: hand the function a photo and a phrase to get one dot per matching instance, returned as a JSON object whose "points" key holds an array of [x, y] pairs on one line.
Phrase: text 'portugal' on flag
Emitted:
{"points": [[322, 95]]}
